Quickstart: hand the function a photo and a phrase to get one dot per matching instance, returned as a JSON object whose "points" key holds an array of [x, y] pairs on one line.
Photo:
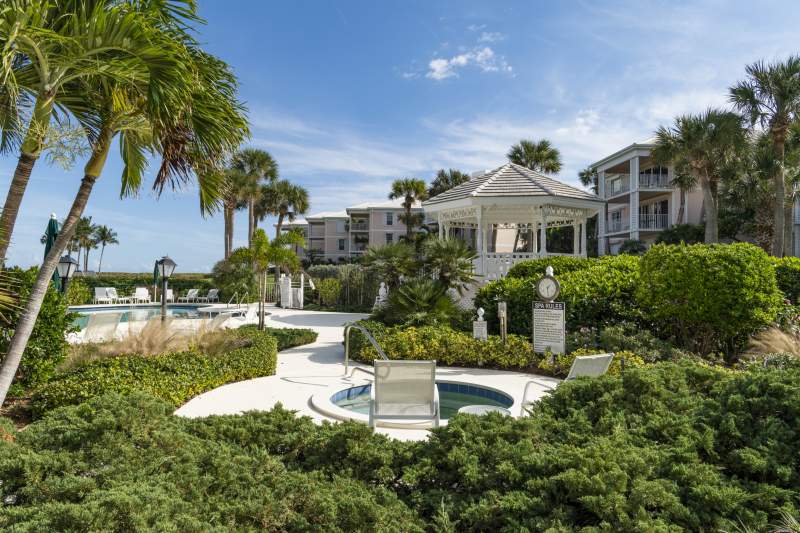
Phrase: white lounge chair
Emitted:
{"points": [[191, 296], [585, 366], [141, 295], [247, 315], [404, 390], [101, 295], [170, 295], [212, 296], [102, 327], [116, 298]]}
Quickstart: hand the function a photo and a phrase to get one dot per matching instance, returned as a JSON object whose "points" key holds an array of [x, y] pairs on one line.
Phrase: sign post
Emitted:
{"points": [[549, 331], [479, 329], [502, 315]]}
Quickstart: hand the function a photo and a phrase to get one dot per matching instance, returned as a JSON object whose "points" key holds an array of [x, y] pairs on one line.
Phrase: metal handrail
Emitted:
{"points": [[366, 332], [232, 298], [358, 368]]}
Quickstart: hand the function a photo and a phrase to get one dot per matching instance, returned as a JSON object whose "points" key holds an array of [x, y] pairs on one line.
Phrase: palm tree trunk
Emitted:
{"points": [[100, 264], [27, 318], [16, 190], [712, 212], [86, 260], [788, 245], [278, 228], [263, 297], [250, 222], [409, 229], [779, 189], [226, 221], [682, 208]]}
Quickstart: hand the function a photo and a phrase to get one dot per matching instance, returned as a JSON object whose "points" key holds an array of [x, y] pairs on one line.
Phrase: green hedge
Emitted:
{"points": [[708, 298], [787, 274], [126, 283], [174, 377], [287, 337], [597, 295], [670, 447], [535, 268]]}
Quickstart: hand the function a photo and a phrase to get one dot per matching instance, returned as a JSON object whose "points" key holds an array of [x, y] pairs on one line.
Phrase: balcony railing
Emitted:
{"points": [[653, 222], [654, 181], [359, 226], [620, 224], [617, 184]]}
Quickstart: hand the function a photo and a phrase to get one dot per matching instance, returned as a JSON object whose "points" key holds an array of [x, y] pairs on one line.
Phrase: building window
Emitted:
{"points": [[389, 238], [340, 226], [341, 245], [389, 220]]}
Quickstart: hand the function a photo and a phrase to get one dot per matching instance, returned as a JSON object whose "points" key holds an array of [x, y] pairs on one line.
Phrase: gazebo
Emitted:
{"points": [[504, 215]]}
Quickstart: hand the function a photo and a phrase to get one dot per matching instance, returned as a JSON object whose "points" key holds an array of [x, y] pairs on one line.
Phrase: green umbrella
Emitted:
{"points": [[155, 281], [50, 235]]}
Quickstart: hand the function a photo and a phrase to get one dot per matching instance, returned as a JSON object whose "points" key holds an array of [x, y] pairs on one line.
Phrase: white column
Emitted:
{"points": [[543, 234], [441, 226], [576, 238], [584, 252], [633, 206], [479, 241], [602, 215]]}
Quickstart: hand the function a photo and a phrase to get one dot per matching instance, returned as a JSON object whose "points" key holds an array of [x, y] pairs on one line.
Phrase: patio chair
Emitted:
{"points": [[404, 390], [586, 366], [246, 316], [101, 295], [191, 296], [116, 298], [170, 295], [212, 296], [141, 295], [102, 327]]}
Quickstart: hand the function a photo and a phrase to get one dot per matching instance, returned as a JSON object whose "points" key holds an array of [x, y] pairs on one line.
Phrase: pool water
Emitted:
{"points": [[131, 313], [452, 396]]}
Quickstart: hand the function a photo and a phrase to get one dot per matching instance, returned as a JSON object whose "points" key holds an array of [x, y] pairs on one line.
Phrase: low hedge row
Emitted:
{"points": [[449, 347], [287, 337], [126, 283], [562, 264], [787, 275], [174, 377]]}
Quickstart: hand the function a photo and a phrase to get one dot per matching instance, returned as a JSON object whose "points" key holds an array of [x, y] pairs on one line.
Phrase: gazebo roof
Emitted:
{"points": [[511, 180]]}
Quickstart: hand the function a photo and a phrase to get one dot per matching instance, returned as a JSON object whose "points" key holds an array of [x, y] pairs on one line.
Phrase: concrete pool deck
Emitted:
{"points": [[306, 370]]}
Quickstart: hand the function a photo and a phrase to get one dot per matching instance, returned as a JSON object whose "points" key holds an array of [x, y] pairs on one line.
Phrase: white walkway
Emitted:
{"points": [[309, 369]]}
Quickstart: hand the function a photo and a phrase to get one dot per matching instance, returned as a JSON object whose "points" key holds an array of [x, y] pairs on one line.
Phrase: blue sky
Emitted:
{"points": [[350, 95]]}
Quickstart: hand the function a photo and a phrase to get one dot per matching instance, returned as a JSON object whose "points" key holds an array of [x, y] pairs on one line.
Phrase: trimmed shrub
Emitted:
{"points": [[561, 363], [235, 275], [329, 291], [47, 346], [288, 337], [78, 292], [632, 247], [787, 274], [708, 297], [682, 234], [173, 377], [598, 295], [562, 264]]}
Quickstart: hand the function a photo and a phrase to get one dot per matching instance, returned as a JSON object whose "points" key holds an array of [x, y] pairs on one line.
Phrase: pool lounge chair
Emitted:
{"points": [[170, 295], [404, 390], [116, 298], [141, 295], [191, 296], [102, 327], [212, 296], [585, 366], [101, 295]]}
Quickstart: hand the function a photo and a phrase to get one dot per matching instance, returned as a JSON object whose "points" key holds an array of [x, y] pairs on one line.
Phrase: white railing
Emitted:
{"points": [[620, 224], [359, 226], [653, 222], [617, 184], [654, 181]]}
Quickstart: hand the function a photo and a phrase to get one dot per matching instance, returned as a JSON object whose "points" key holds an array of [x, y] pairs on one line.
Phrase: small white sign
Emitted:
{"points": [[479, 330], [548, 327]]}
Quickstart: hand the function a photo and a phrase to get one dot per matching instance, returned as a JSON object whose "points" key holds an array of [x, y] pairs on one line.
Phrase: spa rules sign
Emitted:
{"points": [[548, 327]]}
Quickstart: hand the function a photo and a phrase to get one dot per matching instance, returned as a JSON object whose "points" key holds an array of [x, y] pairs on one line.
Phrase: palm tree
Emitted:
{"points": [[265, 254], [287, 201], [84, 236], [45, 50], [411, 190], [704, 146], [178, 102], [235, 183], [446, 180], [259, 168], [103, 235], [539, 156], [685, 182], [588, 178], [451, 260], [770, 97], [391, 262]]}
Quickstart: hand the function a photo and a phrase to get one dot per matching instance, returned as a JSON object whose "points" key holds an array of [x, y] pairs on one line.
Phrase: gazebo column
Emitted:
{"points": [[480, 244], [584, 252], [441, 226], [576, 237], [543, 234]]}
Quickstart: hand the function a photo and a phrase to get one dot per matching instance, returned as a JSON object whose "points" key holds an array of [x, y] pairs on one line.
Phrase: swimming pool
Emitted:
{"points": [[133, 313]]}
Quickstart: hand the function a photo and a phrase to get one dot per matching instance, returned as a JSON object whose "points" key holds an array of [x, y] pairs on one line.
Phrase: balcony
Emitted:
{"points": [[653, 222], [617, 184], [359, 226], [620, 224], [654, 181]]}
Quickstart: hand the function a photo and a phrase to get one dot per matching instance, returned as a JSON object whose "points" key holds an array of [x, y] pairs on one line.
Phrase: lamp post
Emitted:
{"points": [[166, 267], [67, 266]]}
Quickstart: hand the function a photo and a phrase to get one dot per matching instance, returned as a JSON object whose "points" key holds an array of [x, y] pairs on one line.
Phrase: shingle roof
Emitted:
{"points": [[384, 204], [328, 214], [511, 180]]}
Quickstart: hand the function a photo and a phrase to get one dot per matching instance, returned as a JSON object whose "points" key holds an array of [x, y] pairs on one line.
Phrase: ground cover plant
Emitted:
{"points": [[663, 448]]}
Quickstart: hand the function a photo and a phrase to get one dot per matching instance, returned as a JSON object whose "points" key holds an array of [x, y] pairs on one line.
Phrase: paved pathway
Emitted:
{"points": [[306, 370]]}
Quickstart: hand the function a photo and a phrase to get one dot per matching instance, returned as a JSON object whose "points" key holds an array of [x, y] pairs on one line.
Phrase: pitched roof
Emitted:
{"points": [[327, 214], [511, 180], [383, 204]]}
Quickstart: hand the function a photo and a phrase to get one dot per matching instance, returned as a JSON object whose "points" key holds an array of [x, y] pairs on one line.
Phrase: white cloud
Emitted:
{"points": [[482, 57], [476, 27], [490, 37]]}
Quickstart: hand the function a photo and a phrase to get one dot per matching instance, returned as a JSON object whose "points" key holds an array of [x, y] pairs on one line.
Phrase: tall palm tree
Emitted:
{"points": [[287, 200], [451, 259], [179, 103], [104, 236], [279, 253], [411, 190], [704, 146], [770, 97], [446, 180], [685, 182], [235, 183], [259, 168], [45, 47], [539, 156], [588, 178], [84, 235]]}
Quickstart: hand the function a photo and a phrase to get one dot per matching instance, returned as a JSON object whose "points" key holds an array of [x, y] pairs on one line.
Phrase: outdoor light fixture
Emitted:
{"points": [[67, 266], [166, 267]]}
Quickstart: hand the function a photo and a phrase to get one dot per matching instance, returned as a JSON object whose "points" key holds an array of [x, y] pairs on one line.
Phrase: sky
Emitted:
{"points": [[350, 95]]}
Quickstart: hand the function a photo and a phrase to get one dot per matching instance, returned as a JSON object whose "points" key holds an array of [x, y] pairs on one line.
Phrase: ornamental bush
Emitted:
{"points": [[787, 275], [598, 295], [562, 264], [329, 291], [708, 297], [173, 377]]}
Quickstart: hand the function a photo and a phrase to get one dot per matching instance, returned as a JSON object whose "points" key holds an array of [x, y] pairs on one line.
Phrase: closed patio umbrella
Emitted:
{"points": [[49, 239], [155, 282]]}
